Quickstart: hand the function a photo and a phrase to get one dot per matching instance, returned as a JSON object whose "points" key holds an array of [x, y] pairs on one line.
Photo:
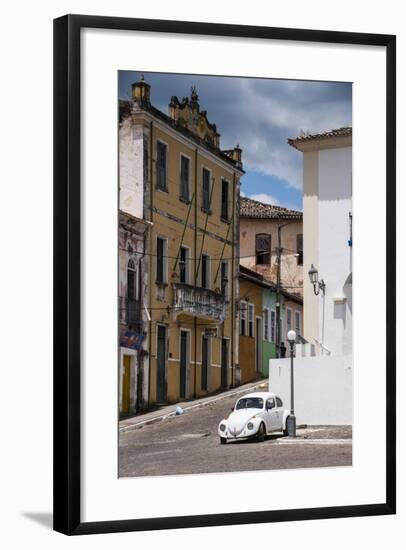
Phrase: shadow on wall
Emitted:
{"points": [[340, 311]]}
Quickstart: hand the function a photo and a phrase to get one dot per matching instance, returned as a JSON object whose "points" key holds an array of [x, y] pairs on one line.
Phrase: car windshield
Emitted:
{"points": [[250, 403]]}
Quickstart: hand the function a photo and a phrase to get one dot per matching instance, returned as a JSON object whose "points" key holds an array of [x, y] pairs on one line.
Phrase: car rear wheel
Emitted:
{"points": [[285, 431], [260, 433], [223, 440]]}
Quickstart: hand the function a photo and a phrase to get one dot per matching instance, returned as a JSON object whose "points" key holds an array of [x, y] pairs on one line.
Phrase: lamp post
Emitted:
{"points": [[291, 421], [314, 279]]}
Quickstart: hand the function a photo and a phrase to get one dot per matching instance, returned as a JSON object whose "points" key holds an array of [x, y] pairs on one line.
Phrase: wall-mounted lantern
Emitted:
{"points": [[314, 279]]}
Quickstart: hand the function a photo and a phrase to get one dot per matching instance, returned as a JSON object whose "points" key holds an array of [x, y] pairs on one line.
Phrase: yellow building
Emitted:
{"points": [[251, 337], [190, 193]]}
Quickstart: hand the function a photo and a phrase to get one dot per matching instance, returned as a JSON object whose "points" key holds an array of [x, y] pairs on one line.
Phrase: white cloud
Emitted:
{"points": [[265, 198], [261, 114]]}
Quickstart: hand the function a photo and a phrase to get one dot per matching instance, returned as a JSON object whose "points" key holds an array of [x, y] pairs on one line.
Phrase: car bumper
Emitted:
{"points": [[242, 435]]}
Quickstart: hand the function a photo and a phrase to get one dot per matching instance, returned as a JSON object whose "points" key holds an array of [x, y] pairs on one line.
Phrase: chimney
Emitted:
{"points": [[141, 92], [236, 154]]}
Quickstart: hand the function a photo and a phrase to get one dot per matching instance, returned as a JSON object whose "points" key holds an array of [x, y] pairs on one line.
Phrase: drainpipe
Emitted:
{"points": [[151, 142], [195, 276], [233, 282], [278, 295]]}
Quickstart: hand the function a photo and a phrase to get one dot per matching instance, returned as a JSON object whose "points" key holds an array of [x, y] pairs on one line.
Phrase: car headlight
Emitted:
{"points": [[222, 427], [250, 425]]}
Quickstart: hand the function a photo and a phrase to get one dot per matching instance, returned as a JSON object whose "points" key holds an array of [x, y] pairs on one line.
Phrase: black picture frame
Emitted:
{"points": [[67, 295]]}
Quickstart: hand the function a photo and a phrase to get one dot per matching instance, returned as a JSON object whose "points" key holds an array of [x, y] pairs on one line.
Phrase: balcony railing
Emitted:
{"points": [[199, 302]]}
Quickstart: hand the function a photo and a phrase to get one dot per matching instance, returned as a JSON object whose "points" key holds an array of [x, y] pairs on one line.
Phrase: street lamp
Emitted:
{"points": [[291, 420], [314, 279]]}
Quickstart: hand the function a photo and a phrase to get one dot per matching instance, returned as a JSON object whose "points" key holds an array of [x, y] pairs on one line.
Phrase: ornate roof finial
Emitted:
{"points": [[142, 78], [193, 94]]}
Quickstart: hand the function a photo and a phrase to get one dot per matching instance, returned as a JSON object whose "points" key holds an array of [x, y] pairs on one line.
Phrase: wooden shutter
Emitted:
{"points": [[224, 199], [263, 248], [299, 248], [159, 260], [161, 166], [206, 190], [184, 179]]}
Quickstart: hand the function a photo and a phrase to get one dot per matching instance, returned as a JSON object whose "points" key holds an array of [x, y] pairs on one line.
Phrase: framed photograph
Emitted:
{"points": [[224, 214]]}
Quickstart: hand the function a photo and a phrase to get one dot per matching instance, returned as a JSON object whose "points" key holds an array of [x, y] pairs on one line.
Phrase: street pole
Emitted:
{"points": [[292, 384], [278, 295], [291, 421]]}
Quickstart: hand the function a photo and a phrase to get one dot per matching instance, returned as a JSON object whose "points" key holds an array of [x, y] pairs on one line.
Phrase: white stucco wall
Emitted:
{"points": [[131, 173], [323, 388], [334, 262], [327, 200]]}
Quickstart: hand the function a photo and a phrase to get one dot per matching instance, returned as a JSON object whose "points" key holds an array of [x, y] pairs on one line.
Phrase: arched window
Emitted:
{"points": [[131, 280]]}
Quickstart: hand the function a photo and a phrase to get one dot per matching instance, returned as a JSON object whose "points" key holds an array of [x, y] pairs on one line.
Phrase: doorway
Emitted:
{"points": [[161, 363], [125, 398], [258, 344], [184, 363], [224, 362], [205, 362]]}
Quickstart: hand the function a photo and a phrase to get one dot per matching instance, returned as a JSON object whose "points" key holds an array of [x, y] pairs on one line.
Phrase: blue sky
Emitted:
{"points": [[260, 115]]}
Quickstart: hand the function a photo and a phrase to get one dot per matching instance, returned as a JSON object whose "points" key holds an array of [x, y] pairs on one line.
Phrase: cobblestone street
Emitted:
{"points": [[189, 444]]}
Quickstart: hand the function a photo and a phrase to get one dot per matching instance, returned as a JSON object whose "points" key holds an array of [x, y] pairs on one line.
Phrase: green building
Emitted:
{"points": [[291, 308], [269, 351]]}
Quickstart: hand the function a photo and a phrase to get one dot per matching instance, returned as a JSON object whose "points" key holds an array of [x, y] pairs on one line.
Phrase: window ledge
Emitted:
{"points": [[186, 201]]}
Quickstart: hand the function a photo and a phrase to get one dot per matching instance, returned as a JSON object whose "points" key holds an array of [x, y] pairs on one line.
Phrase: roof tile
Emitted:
{"points": [[307, 136], [250, 208]]}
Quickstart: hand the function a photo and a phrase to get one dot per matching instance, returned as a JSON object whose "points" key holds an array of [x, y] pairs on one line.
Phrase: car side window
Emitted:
{"points": [[270, 404], [279, 402]]}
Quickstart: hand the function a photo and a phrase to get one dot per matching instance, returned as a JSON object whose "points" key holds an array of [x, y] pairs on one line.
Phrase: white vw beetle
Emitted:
{"points": [[254, 415]]}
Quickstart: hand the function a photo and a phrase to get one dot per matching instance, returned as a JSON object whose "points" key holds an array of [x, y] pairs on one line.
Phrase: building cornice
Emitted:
{"points": [[189, 141], [333, 139]]}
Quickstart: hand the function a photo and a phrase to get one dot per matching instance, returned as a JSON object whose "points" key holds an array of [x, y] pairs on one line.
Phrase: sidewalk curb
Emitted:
{"points": [[208, 401]]}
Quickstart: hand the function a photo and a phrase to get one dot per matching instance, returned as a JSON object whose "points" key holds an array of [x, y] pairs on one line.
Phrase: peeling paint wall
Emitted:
{"points": [[291, 271], [131, 173], [252, 293], [130, 248], [209, 235]]}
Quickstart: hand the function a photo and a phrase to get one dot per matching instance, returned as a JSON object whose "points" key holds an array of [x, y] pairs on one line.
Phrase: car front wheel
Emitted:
{"points": [[223, 440], [260, 433]]}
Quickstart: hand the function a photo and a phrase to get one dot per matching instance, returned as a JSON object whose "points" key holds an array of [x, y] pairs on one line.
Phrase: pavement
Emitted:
{"points": [[167, 444], [142, 419]]}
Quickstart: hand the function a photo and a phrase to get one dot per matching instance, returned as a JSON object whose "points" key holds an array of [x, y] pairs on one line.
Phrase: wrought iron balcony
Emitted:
{"points": [[199, 302]]}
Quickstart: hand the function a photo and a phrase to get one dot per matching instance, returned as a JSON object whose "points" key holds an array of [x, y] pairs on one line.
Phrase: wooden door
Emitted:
{"points": [[125, 399], [205, 363], [258, 345], [183, 363], [224, 363], [161, 364]]}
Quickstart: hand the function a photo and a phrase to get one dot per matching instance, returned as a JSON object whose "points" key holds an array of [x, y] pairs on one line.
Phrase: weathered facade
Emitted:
{"points": [[291, 316], [133, 380], [269, 348], [252, 286], [190, 266], [258, 322], [271, 245], [262, 228]]}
